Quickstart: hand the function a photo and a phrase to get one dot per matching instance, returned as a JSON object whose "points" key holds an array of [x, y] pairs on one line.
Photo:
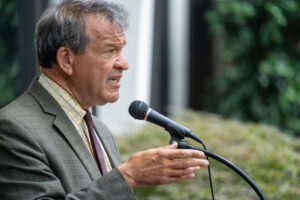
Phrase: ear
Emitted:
{"points": [[65, 58]]}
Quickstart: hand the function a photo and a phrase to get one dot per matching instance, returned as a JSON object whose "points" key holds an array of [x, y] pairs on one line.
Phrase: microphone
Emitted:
{"points": [[140, 110]]}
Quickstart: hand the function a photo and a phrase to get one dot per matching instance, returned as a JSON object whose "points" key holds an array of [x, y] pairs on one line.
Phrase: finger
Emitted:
{"points": [[182, 164], [183, 172], [172, 146], [188, 176], [184, 153]]}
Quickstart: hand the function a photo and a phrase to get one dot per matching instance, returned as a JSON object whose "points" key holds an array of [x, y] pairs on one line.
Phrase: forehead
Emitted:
{"points": [[101, 29]]}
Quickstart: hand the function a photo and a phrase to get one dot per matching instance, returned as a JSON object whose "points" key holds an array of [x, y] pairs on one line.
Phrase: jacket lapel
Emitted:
{"points": [[65, 127]]}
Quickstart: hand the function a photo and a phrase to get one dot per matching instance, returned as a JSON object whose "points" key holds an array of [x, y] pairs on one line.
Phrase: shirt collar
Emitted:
{"points": [[70, 106]]}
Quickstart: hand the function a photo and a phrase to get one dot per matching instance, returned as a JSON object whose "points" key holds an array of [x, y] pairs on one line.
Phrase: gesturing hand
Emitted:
{"points": [[162, 165]]}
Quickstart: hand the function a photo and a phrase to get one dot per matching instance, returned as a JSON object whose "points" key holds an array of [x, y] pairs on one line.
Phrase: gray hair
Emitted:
{"points": [[63, 24]]}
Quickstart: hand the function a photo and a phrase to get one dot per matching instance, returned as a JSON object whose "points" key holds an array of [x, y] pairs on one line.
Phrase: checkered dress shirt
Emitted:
{"points": [[74, 111]]}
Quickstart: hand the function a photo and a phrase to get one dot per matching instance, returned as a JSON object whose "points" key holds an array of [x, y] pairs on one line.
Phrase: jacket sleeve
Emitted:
{"points": [[26, 174]]}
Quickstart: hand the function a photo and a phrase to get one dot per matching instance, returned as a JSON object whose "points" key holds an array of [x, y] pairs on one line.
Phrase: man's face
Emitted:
{"points": [[98, 71]]}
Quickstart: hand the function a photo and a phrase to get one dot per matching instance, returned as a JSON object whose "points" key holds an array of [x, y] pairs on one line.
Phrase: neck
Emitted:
{"points": [[65, 83]]}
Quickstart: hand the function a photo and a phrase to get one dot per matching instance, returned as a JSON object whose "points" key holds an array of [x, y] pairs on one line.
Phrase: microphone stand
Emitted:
{"points": [[185, 145]]}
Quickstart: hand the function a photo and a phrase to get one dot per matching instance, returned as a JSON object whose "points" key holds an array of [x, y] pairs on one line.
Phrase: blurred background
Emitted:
{"points": [[237, 59]]}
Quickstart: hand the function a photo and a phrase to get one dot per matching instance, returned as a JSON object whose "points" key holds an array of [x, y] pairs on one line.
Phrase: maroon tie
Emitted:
{"points": [[95, 143]]}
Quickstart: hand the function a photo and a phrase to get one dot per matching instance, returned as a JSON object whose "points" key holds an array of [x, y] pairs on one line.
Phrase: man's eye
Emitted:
{"points": [[109, 51]]}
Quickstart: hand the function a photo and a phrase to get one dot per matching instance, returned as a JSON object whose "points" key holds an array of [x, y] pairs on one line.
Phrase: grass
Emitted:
{"points": [[269, 157]]}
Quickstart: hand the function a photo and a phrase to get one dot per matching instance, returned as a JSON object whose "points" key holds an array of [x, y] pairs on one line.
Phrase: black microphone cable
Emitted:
{"points": [[208, 167], [254, 186], [209, 172]]}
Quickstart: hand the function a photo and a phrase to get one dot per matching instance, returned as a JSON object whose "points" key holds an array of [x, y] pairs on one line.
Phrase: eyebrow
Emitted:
{"points": [[116, 44]]}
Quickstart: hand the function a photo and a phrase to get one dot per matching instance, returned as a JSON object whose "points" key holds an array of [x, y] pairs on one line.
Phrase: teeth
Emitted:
{"points": [[113, 80]]}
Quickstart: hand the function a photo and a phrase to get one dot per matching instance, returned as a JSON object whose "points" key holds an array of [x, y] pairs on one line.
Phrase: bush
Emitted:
{"points": [[262, 55], [269, 157]]}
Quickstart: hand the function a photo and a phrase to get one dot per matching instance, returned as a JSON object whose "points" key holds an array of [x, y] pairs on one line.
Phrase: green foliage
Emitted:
{"points": [[269, 157], [8, 50], [262, 53]]}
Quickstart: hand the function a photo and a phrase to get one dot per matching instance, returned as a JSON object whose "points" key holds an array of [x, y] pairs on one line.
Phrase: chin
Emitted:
{"points": [[111, 98], [114, 99]]}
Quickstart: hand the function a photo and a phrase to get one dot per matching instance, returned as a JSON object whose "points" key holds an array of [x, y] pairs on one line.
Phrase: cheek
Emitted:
{"points": [[100, 83], [101, 80]]}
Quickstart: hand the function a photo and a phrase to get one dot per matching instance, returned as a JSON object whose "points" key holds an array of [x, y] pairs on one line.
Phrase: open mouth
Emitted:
{"points": [[114, 80]]}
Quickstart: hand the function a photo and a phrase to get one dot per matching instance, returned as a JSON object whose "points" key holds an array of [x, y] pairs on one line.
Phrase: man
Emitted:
{"points": [[50, 148]]}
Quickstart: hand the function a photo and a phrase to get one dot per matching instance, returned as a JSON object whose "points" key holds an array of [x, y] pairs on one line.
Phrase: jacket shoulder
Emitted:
{"points": [[21, 106]]}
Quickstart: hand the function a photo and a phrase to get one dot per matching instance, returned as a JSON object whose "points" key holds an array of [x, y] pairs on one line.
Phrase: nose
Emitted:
{"points": [[121, 62]]}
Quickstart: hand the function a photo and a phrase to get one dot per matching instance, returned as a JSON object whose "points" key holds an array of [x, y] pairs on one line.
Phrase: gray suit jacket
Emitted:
{"points": [[42, 156]]}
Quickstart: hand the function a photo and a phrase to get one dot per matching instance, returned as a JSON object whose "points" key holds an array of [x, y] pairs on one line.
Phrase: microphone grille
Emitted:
{"points": [[138, 109]]}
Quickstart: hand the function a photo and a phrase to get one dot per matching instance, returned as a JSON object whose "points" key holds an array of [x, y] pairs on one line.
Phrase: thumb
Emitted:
{"points": [[172, 146]]}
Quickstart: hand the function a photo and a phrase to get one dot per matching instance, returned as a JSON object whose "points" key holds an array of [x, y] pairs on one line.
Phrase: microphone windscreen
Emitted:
{"points": [[138, 109]]}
